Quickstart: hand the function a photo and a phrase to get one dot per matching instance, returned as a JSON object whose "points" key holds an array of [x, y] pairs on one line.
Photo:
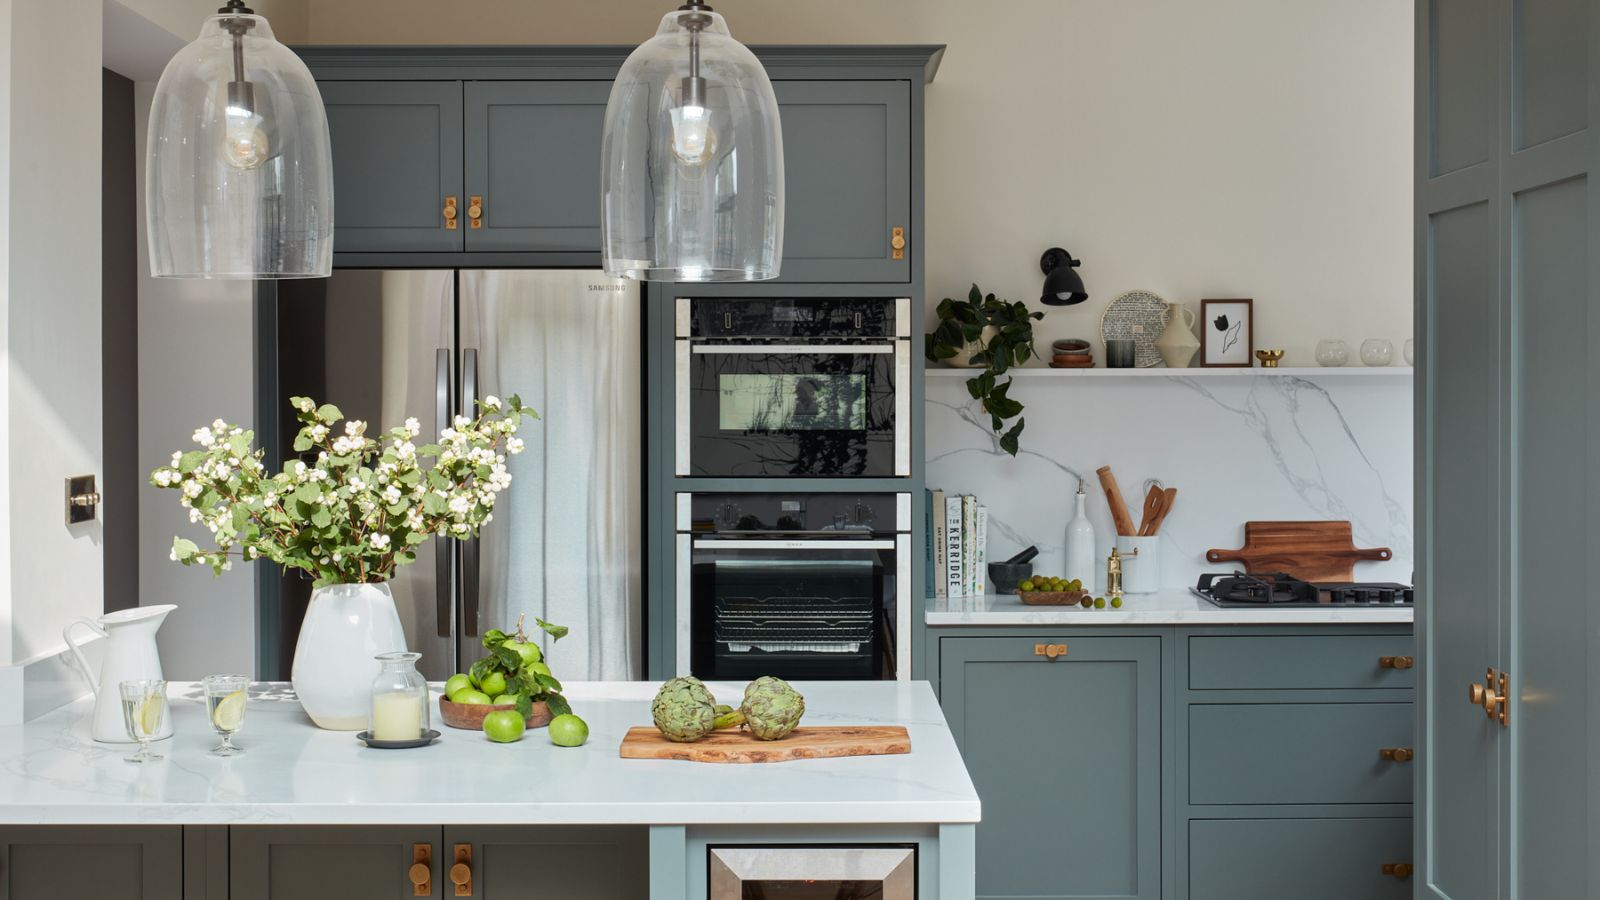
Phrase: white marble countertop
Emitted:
{"points": [[1175, 606], [290, 772]]}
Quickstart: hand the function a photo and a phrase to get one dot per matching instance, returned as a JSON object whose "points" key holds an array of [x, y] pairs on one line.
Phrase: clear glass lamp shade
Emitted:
{"points": [[238, 188], [692, 173]]}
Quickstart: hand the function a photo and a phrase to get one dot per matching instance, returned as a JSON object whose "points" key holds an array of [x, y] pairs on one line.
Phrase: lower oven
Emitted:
{"points": [[812, 586], [813, 873]]}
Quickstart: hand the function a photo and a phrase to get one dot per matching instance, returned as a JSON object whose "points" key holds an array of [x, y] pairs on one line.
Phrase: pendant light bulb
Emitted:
{"points": [[245, 144], [694, 141]]}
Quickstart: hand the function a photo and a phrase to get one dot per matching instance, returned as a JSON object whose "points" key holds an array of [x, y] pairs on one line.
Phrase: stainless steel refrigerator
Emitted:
{"points": [[566, 541]]}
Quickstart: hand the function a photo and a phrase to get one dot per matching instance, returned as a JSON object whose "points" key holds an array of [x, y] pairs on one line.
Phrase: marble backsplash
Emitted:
{"points": [[1237, 448]]}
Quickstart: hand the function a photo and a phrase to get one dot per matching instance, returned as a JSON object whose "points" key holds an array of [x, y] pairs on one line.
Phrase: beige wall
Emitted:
{"points": [[1230, 148]]}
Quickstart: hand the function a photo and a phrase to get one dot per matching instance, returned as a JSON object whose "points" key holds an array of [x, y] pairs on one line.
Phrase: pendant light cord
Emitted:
{"points": [[237, 27]]}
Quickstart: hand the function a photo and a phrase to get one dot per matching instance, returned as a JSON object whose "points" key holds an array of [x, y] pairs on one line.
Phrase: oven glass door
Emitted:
{"points": [[806, 609], [798, 410]]}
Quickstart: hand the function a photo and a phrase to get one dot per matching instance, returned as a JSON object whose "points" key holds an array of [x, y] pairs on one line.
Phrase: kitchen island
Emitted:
{"points": [[306, 813]]}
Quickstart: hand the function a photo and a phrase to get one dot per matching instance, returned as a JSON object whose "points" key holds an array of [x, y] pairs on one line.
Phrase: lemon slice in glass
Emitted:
{"points": [[150, 712], [229, 714]]}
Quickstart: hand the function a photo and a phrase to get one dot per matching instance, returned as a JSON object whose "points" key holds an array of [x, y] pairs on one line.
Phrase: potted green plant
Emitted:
{"points": [[349, 514], [995, 335]]}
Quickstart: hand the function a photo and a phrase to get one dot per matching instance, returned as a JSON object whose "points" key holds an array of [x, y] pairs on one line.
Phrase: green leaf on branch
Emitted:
{"points": [[558, 705], [556, 632]]}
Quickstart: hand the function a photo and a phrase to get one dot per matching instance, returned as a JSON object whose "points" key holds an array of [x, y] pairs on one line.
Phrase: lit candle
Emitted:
{"points": [[396, 716]]}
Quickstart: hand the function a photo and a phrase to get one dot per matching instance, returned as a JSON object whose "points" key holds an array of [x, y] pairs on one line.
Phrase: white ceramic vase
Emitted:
{"points": [[345, 627], [963, 357], [1177, 343]]}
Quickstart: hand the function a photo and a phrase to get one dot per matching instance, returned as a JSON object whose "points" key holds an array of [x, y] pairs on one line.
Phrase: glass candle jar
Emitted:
{"points": [[1332, 352], [399, 698], [1377, 352]]}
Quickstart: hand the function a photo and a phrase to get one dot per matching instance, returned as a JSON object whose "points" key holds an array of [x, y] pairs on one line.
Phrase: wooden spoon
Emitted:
{"points": [[1168, 497], [1152, 510]]}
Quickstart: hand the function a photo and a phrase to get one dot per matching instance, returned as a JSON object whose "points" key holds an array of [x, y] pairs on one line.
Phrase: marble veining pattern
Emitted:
{"points": [[51, 772], [1237, 449]]}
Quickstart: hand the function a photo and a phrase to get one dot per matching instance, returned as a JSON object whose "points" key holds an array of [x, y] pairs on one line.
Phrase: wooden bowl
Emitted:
{"points": [[470, 715], [1052, 598]]}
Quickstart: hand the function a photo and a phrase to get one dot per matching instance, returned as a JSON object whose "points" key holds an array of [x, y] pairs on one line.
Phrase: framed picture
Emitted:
{"points": [[1227, 333]]}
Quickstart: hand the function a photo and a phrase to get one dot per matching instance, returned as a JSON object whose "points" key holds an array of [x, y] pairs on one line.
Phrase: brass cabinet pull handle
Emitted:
{"points": [[475, 210], [1050, 651], [1494, 702], [450, 212], [1398, 754], [421, 872], [461, 872], [897, 243], [1402, 871], [1396, 662]]}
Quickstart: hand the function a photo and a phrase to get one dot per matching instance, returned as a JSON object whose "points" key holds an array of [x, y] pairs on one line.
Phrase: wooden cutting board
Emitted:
{"points": [[1310, 551], [734, 746]]}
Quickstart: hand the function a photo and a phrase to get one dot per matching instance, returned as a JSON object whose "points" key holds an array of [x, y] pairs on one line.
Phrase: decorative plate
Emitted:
{"points": [[427, 738], [1140, 315]]}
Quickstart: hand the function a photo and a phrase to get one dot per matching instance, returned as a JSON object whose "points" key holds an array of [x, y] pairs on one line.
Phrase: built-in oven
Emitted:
{"points": [[769, 872], [797, 585], [812, 387]]}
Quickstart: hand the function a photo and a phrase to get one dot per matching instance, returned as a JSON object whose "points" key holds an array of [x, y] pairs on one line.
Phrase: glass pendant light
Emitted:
{"points": [[692, 165], [239, 176]]}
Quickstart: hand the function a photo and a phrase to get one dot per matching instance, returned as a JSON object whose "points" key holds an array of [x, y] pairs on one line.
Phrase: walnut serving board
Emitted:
{"points": [[734, 746], [1310, 551]]}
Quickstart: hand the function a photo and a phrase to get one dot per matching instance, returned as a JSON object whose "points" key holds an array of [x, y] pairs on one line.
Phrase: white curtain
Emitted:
{"points": [[564, 545]]}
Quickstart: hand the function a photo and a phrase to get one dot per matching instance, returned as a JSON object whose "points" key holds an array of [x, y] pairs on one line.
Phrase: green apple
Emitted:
{"points": [[538, 668], [568, 731], [456, 685], [528, 651], [471, 697], [506, 700], [504, 726], [493, 684]]}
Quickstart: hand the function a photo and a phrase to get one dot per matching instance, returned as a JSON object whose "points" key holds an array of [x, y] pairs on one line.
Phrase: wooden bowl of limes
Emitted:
{"points": [[1045, 590], [471, 715]]}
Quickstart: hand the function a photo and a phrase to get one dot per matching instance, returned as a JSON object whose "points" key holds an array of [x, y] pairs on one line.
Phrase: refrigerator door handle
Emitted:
{"points": [[469, 548], [441, 545]]}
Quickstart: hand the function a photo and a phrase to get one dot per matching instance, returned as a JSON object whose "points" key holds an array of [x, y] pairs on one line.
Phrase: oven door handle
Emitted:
{"points": [[838, 544], [841, 349]]}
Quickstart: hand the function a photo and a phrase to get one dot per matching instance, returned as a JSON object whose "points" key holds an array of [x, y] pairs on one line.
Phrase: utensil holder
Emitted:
{"points": [[1141, 563]]}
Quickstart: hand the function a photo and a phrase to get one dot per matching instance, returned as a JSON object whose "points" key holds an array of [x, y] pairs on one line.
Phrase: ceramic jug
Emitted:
{"points": [[130, 656], [1177, 344]]}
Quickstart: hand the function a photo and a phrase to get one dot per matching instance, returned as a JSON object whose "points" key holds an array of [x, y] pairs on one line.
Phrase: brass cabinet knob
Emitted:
{"points": [[449, 212], [1398, 754], [1401, 871], [1493, 695], [461, 872], [421, 872], [1396, 662], [1049, 651], [475, 211]]}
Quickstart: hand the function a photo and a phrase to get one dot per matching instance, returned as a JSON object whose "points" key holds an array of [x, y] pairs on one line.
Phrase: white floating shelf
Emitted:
{"points": [[1307, 372]]}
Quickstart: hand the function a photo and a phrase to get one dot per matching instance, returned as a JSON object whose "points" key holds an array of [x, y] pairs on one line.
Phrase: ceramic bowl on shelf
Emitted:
{"points": [[471, 715], [1377, 352]]}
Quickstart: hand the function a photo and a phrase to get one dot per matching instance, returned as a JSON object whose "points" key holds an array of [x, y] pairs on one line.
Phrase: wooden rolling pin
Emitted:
{"points": [[1119, 509]]}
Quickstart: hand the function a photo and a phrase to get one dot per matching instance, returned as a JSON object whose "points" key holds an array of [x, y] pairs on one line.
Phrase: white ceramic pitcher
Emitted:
{"points": [[130, 656]]}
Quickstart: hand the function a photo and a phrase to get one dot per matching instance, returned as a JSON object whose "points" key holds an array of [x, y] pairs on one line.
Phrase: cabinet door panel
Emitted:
{"points": [[396, 157], [594, 862], [533, 155], [847, 179], [126, 862], [327, 862], [1299, 753], [1298, 662], [1303, 859], [1065, 755]]}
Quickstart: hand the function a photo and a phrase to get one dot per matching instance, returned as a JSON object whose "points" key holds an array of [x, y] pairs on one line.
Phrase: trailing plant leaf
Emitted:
{"points": [[962, 322]]}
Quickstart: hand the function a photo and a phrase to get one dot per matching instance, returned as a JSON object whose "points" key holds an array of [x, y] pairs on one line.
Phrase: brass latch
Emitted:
{"points": [[1495, 703], [897, 243], [1397, 754], [461, 872], [1401, 871], [1050, 651], [450, 213], [421, 871], [82, 499], [1396, 662], [475, 211]]}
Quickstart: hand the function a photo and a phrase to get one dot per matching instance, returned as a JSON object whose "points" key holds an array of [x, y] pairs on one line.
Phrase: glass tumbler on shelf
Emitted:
{"points": [[226, 696], [399, 698], [1411, 351], [1377, 352], [1332, 352], [144, 708]]}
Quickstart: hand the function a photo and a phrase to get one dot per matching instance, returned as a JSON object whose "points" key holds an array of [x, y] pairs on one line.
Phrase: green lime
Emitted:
{"points": [[1099, 603], [1116, 602], [493, 683], [505, 700], [456, 685], [529, 652], [1075, 584], [471, 697], [537, 668], [504, 726], [1026, 586], [568, 731]]}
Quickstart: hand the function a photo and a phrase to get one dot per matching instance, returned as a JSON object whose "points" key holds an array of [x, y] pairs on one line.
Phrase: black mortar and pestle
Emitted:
{"points": [[1005, 576]]}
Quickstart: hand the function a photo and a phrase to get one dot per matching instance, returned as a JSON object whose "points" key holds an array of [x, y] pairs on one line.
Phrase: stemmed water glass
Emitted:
{"points": [[225, 702], [144, 709]]}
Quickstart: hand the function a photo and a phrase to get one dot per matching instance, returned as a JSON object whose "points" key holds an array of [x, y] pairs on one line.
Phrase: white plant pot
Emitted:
{"points": [[963, 357], [345, 627]]}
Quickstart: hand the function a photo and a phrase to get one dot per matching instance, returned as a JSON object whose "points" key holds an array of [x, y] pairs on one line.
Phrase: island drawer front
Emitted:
{"points": [[1306, 859], [1294, 753], [1300, 662]]}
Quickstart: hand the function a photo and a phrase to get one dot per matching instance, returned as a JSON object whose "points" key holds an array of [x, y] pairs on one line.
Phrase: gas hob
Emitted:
{"points": [[1239, 590]]}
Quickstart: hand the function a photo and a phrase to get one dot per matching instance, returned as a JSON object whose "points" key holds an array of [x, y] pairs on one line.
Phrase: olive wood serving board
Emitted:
{"points": [[1310, 551], [736, 746]]}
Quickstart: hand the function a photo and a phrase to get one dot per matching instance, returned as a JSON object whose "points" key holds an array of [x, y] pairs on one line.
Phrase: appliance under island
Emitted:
{"points": [[307, 814]]}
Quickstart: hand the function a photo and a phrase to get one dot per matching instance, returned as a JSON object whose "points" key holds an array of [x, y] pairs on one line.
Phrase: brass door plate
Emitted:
{"points": [[475, 211], [897, 243], [461, 871], [421, 871], [450, 213], [83, 500], [1050, 651]]}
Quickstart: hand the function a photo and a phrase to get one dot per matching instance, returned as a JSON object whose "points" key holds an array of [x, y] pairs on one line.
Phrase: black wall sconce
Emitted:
{"points": [[1062, 286]]}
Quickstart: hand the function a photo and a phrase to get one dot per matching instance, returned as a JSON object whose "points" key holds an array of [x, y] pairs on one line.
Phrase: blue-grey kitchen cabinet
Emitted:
{"points": [[56, 862], [1065, 751], [396, 165]]}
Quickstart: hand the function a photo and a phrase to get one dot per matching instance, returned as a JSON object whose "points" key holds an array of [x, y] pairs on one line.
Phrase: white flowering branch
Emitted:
{"points": [[359, 509]]}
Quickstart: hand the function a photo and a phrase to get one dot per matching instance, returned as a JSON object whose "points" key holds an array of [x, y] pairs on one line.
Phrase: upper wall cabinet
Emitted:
{"points": [[396, 165], [847, 180]]}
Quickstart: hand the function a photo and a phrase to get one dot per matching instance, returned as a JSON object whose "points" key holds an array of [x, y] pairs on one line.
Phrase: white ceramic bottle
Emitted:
{"points": [[1081, 561]]}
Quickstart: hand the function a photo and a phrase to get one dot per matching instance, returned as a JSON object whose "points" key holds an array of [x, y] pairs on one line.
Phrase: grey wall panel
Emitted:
{"points": [[1462, 80]]}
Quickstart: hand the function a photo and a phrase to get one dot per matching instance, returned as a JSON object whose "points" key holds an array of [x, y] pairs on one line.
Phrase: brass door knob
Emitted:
{"points": [[1401, 871], [1049, 651], [1396, 662], [1398, 754], [449, 212], [1492, 695], [420, 874], [461, 872], [475, 211]]}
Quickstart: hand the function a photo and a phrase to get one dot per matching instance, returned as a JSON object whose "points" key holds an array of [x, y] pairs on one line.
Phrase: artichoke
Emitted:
{"points": [[684, 710], [771, 709]]}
